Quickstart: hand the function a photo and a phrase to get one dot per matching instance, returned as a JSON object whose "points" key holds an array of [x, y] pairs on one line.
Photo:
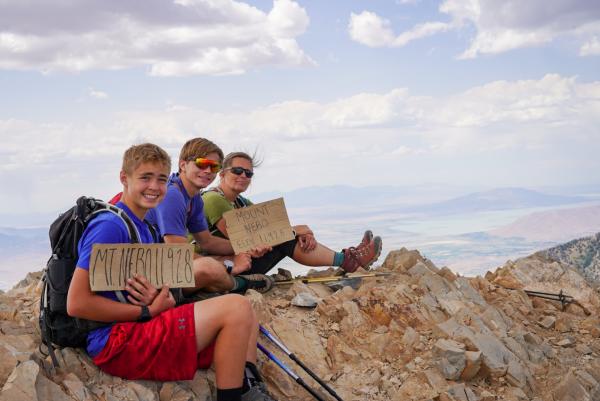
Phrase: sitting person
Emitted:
{"points": [[149, 337], [238, 169], [180, 215]]}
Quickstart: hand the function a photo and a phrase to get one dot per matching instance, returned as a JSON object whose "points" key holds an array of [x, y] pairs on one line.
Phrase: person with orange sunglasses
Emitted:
{"points": [[181, 213]]}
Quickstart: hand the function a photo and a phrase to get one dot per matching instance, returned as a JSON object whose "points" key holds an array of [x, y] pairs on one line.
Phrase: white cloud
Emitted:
{"points": [[591, 47], [96, 94], [320, 143], [372, 30], [177, 38], [500, 25]]}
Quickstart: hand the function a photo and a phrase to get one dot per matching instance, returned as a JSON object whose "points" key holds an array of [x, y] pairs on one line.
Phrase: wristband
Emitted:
{"points": [[145, 315], [228, 265]]}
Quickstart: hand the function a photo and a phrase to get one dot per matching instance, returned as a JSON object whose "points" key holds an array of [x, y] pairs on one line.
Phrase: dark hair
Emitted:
{"points": [[252, 159]]}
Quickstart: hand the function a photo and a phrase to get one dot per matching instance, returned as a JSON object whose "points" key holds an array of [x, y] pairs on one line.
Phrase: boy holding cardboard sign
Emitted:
{"points": [[181, 213], [150, 338]]}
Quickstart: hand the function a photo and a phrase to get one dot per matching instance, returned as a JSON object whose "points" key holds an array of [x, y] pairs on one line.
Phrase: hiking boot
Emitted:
{"points": [[367, 238], [258, 282], [364, 255], [257, 392]]}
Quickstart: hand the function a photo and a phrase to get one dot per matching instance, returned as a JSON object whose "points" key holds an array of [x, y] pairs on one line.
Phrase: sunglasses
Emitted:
{"points": [[203, 163], [240, 170]]}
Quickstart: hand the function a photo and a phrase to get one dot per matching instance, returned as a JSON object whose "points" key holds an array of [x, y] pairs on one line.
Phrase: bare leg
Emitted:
{"points": [[320, 256], [251, 352], [210, 274], [228, 320]]}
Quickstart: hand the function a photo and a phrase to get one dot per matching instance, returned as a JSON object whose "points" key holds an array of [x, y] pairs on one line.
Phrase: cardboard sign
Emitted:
{"points": [[112, 264], [260, 224]]}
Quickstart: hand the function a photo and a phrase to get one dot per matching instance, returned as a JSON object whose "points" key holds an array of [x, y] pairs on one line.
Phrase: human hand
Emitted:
{"points": [[302, 229], [259, 251], [140, 290], [163, 301], [307, 242], [241, 263]]}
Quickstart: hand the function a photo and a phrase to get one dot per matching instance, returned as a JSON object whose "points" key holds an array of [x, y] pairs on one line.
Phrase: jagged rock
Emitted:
{"points": [[436, 380], [459, 392], [27, 383], [566, 342], [473, 361], [76, 389], [410, 337], [547, 322], [386, 340], [583, 349], [452, 358], [305, 300], [7, 363], [20, 385], [516, 394], [174, 391], [203, 385], [570, 389], [565, 323], [403, 259]]}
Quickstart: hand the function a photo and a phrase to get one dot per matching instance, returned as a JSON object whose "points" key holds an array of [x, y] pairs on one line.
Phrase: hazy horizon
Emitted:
{"points": [[450, 92]]}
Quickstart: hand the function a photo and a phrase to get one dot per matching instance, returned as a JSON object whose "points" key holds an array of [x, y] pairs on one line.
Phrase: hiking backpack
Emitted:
{"points": [[57, 327]]}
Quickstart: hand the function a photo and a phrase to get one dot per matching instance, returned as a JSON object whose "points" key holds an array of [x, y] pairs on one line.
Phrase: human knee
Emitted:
{"points": [[208, 271], [239, 309]]}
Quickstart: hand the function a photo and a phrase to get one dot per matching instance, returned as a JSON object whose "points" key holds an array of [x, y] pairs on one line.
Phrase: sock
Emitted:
{"points": [[338, 259], [239, 284], [230, 394]]}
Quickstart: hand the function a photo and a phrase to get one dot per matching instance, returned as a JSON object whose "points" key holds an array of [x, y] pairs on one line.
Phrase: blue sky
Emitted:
{"points": [[483, 93]]}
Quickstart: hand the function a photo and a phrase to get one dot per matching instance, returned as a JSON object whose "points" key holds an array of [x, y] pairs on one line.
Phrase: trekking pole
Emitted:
{"points": [[299, 362], [290, 373], [327, 279]]}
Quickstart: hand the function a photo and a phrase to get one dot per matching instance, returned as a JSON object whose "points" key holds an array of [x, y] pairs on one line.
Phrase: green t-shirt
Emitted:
{"points": [[215, 204]]}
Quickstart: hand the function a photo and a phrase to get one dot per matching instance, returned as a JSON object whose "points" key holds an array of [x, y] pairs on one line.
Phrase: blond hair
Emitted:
{"points": [[144, 153]]}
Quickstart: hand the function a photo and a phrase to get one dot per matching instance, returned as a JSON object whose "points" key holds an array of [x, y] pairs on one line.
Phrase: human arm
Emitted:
{"points": [[306, 238], [83, 303]]}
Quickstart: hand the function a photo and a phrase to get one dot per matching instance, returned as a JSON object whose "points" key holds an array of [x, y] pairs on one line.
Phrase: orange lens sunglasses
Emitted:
{"points": [[203, 163]]}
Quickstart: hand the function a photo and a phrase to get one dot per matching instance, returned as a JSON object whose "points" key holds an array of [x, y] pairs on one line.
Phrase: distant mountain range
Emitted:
{"points": [[554, 225], [495, 199], [499, 199], [583, 253]]}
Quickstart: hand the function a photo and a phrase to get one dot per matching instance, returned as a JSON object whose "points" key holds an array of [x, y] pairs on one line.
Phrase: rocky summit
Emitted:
{"points": [[419, 333]]}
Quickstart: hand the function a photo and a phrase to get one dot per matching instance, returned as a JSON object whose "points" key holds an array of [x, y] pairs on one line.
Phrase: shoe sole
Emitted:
{"points": [[378, 246], [367, 236]]}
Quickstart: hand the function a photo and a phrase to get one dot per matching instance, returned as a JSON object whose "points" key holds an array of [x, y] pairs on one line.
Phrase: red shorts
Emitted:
{"points": [[163, 348]]}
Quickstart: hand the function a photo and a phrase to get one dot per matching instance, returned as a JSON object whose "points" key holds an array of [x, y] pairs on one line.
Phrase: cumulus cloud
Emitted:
{"points": [[96, 94], [177, 38], [500, 25], [321, 142], [372, 30]]}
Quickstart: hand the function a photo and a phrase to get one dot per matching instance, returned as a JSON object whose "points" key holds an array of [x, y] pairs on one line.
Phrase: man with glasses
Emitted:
{"points": [[235, 177], [181, 212]]}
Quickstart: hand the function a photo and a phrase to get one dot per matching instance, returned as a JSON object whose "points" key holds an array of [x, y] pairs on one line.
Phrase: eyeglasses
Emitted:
{"points": [[240, 170], [203, 163]]}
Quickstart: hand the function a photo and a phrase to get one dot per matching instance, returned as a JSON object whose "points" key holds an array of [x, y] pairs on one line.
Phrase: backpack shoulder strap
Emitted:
{"points": [[134, 235]]}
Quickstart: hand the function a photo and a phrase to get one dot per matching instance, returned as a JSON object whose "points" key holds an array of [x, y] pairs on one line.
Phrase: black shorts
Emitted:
{"points": [[266, 262]]}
